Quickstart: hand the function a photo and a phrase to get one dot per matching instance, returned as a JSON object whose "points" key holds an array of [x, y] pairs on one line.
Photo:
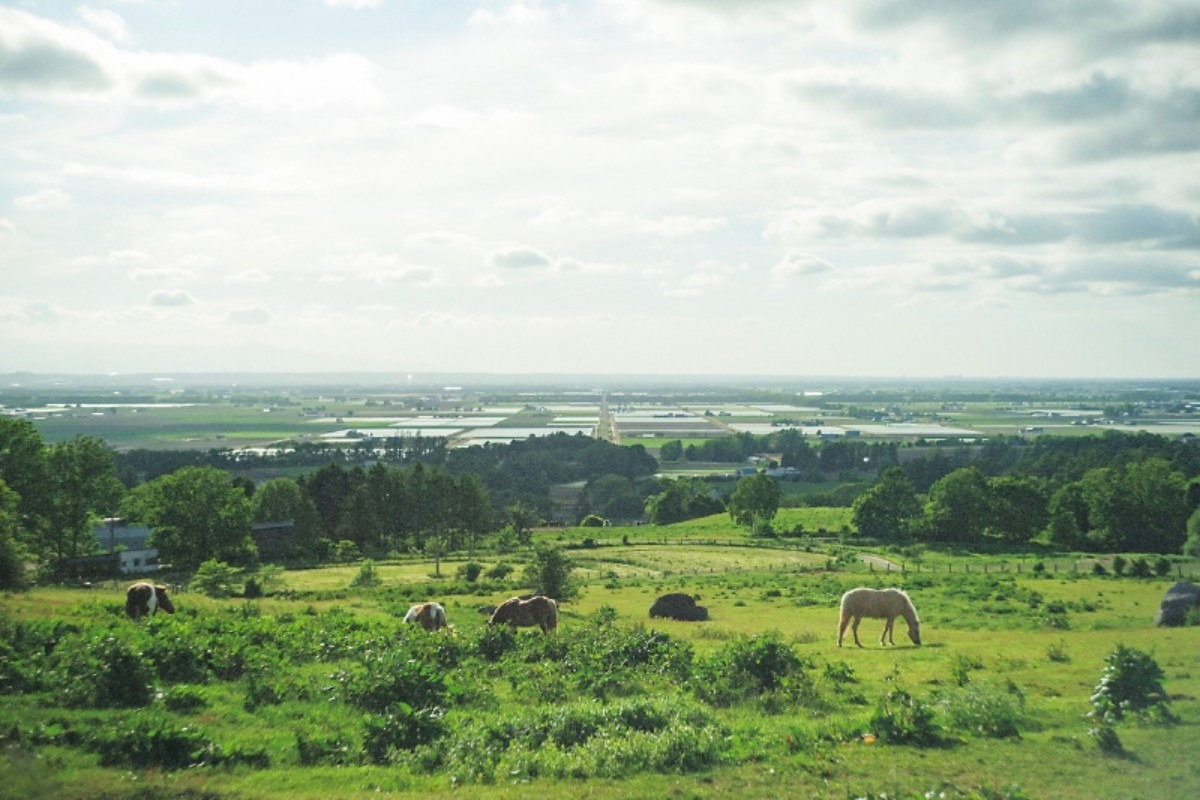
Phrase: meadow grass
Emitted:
{"points": [[1033, 644]]}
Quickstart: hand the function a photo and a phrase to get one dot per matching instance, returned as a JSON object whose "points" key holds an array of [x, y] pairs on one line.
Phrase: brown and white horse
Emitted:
{"points": [[143, 599], [537, 610], [430, 616]]}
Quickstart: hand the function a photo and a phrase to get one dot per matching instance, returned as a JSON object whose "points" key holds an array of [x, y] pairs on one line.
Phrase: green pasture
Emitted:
{"points": [[1018, 647]]}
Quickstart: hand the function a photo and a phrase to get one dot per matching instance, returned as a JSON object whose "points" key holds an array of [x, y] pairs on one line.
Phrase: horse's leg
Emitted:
{"points": [[854, 627], [887, 631], [842, 623]]}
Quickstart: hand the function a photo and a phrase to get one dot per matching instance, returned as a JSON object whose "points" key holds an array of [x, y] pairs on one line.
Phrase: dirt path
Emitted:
{"points": [[881, 563]]}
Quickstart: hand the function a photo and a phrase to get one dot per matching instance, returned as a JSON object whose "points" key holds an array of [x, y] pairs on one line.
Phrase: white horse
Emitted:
{"points": [[879, 604], [430, 616]]}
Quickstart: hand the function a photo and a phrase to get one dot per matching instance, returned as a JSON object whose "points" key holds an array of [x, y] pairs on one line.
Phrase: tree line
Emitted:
{"points": [[202, 506], [1111, 493]]}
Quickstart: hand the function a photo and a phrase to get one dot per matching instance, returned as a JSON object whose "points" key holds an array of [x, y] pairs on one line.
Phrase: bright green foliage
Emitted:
{"points": [[152, 741], [749, 667], [102, 671], [1131, 684], [214, 579], [979, 709], [197, 514], [887, 510], [549, 574], [901, 718], [754, 498]]}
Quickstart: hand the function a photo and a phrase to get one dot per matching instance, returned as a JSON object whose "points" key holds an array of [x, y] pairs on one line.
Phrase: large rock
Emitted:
{"points": [[1179, 599], [678, 606]]}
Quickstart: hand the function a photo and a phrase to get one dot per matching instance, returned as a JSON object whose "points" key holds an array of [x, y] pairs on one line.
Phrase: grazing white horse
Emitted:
{"points": [[143, 599], [879, 604], [430, 616]]}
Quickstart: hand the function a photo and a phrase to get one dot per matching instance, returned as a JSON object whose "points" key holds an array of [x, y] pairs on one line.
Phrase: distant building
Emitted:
{"points": [[272, 538], [126, 551]]}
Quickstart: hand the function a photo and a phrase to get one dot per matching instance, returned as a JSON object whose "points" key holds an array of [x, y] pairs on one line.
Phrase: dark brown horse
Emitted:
{"points": [[537, 610], [143, 599]]}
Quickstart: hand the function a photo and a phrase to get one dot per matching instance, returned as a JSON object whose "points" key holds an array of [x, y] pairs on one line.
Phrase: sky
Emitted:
{"points": [[766, 187]]}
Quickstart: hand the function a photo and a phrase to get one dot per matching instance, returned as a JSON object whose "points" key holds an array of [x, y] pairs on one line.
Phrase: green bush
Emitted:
{"points": [[980, 709], [214, 579], [1130, 684], [150, 741], [367, 577], [751, 667], [390, 677], [104, 671], [901, 718], [469, 572], [184, 699], [402, 728]]}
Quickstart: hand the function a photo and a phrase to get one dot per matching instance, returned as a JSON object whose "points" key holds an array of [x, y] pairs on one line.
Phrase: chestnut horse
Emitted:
{"points": [[430, 616], [143, 599], [537, 610], [879, 604]]}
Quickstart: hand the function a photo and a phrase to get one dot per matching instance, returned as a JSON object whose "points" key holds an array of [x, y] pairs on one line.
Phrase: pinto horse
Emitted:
{"points": [[143, 599], [430, 616], [537, 610], [884, 604]]}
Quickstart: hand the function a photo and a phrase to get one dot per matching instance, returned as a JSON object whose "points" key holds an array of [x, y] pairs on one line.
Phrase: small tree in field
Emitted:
{"points": [[549, 573], [214, 579]]}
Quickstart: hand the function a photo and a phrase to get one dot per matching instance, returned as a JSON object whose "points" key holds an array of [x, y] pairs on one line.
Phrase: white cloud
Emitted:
{"points": [[105, 22], [249, 316], [795, 264], [45, 200], [518, 257], [249, 276], [171, 298]]}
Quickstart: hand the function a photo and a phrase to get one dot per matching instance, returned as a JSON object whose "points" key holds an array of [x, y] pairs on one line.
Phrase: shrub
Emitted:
{"points": [[499, 572], [214, 578], [104, 671], [1130, 684], [984, 710], [389, 678], [367, 577], [151, 741], [901, 718], [469, 572], [184, 699], [749, 667], [402, 728]]}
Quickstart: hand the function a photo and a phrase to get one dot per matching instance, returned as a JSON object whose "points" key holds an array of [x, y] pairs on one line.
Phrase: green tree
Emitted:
{"points": [[550, 574], [281, 499], [84, 485], [523, 517], [1191, 547], [25, 469], [613, 496], [671, 451], [888, 509], [214, 578], [12, 555], [1019, 507], [754, 498], [958, 507], [196, 515]]}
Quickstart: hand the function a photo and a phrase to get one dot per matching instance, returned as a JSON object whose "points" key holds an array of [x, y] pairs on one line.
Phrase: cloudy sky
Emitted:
{"points": [[869, 188]]}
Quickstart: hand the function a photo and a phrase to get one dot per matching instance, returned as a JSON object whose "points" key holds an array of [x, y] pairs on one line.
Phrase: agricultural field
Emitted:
{"points": [[146, 412], [318, 690]]}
